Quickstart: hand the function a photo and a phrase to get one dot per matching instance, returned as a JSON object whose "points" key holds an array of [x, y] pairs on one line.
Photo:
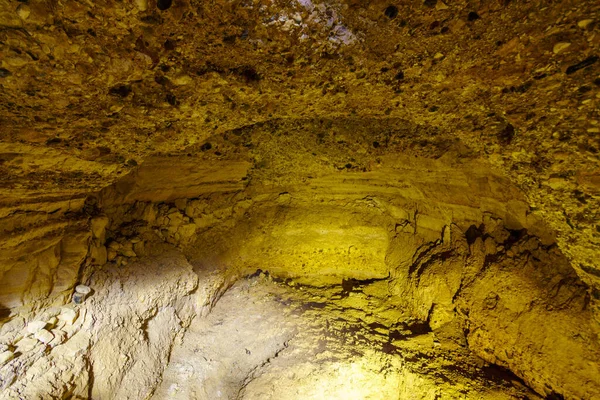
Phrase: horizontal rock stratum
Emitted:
{"points": [[419, 164]]}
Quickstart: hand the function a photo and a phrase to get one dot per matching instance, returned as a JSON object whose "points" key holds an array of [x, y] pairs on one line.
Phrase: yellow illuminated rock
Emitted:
{"points": [[299, 200]]}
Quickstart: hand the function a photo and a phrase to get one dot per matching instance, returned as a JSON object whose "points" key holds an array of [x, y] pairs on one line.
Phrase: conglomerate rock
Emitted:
{"points": [[89, 90], [449, 149]]}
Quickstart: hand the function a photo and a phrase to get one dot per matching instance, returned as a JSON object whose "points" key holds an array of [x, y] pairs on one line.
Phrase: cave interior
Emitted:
{"points": [[307, 199]]}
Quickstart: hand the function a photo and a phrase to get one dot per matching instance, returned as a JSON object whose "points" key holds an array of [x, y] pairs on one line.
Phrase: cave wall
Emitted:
{"points": [[90, 91], [42, 245], [466, 256], [124, 125], [511, 299], [459, 245]]}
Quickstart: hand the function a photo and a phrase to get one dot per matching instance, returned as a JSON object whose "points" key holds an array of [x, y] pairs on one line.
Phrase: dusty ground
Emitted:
{"points": [[272, 340]]}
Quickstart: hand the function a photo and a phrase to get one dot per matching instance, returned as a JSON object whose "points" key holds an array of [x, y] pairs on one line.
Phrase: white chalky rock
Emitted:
{"points": [[26, 344], [44, 336], [68, 315], [35, 326], [52, 322], [59, 337], [6, 356]]}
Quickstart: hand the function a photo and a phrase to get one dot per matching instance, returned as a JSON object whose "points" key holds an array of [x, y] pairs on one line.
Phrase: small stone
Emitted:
{"points": [[584, 23], [59, 337], [68, 315], [441, 6], [182, 80], [120, 90], [6, 356], [111, 254], [206, 146], [558, 47], [181, 204], [51, 322], [98, 226], [187, 231], [44, 336], [35, 326], [26, 344], [142, 5], [138, 248], [114, 246], [128, 253], [438, 56], [23, 11]]}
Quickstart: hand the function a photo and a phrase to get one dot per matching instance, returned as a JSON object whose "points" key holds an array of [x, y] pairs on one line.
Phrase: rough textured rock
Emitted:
{"points": [[321, 343], [449, 150], [112, 346], [90, 90]]}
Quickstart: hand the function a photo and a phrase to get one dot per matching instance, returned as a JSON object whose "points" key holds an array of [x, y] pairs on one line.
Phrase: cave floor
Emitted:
{"points": [[271, 340]]}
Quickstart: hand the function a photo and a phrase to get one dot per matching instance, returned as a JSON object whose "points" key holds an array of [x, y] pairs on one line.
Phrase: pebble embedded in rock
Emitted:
{"points": [[142, 5], [561, 46], [169, 44], [23, 11], [171, 99], [585, 23], [120, 90], [128, 253], [506, 135]]}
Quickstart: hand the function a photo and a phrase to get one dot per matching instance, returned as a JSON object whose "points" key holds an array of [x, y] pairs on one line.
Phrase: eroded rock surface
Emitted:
{"points": [[445, 150], [265, 340], [114, 345]]}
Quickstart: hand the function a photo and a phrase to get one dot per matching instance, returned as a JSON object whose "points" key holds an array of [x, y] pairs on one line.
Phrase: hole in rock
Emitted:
{"points": [[164, 4]]}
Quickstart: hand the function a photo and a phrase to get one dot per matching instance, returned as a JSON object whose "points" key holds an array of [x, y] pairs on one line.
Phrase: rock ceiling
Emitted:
{"points": [[277, 129], [91, 89]]}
